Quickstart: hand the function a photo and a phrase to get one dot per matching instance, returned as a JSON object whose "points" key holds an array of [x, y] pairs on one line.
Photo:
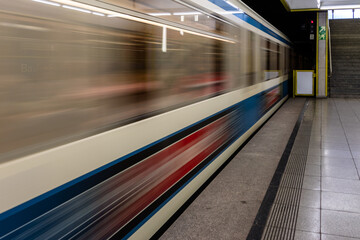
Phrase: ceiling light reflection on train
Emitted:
{"points": [[160, 14], [230, 12], [76, 9], [47, 2], [164, 47], [186, 13], [231, 4], [98, 14], [112, 14]]}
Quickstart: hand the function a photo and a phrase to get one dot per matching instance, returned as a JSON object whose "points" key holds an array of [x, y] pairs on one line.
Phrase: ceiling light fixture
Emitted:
{"points": [[339, 7]]}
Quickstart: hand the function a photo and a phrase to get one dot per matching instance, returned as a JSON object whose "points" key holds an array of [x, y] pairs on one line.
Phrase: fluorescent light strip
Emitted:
{"points": [[85, 6], [160, 14], [230, 12], [339, 7], [186, 13], [113, 14], [47, 2], [76, 9], [98, 14]]}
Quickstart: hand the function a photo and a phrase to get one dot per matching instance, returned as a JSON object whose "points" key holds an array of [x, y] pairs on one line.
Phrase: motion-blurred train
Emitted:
{"points": [[114, 112]]}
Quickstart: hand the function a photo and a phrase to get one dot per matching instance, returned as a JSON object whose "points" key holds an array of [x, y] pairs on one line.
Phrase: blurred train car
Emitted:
{"points": [[114, 112]]}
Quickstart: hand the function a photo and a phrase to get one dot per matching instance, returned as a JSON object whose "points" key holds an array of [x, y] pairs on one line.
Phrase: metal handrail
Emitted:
{"points": [[330, 54]]}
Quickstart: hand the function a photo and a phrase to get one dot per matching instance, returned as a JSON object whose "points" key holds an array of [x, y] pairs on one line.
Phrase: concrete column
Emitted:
{"points": [[321, 66]]}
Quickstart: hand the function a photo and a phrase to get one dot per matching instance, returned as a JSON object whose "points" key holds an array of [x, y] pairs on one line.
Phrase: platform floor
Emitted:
{"points": [[328, 205], [226, 209]]}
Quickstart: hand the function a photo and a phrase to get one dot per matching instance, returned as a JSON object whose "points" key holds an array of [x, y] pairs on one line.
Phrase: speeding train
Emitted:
{"points": [[113, 113]]}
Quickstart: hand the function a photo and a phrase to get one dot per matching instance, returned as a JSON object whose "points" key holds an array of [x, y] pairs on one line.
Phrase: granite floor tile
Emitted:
{"points": [[353, 142], [335, 153], [316, 160], [315, 144], [314, 151], [340, 185], [340, 202], [357, 163], [335, 146], [334, 140], [310, 198], [308, 220], [355, 154], [311, 183], [354, 147], [337, 162], [339, 172], [301, 235], [332, 237], [312, 170], [340, 223]]}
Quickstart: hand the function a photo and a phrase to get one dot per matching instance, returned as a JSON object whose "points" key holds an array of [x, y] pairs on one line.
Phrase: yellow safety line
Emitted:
{"points": [[327, 55], [305, 10], [294, 91], [317, 55]]}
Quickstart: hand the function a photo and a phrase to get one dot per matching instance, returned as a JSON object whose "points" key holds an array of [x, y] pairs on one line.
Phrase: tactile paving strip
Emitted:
{"points": [[281, 222]]}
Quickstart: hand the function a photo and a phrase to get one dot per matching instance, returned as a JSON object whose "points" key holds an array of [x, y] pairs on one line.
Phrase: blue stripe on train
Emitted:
{"points": [[248, 113], [251, 117], [246, 18], [285, 88]]}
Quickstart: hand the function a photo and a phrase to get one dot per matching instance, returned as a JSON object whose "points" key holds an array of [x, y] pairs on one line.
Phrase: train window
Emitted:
{"points": [[274, 61], [270, 59], [287, 60], [282, 60], [278, 67], [233, 64], [250, 69]]}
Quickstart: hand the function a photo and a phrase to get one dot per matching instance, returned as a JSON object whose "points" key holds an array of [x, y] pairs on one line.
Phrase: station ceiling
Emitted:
{"points": [[321, 4]]}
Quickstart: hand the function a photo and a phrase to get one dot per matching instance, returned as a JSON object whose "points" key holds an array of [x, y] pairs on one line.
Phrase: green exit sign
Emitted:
{"points": [[322, 33]]}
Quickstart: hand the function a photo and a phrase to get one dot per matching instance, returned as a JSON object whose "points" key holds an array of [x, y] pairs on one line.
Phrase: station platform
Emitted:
{"points": [[297, 178]]}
